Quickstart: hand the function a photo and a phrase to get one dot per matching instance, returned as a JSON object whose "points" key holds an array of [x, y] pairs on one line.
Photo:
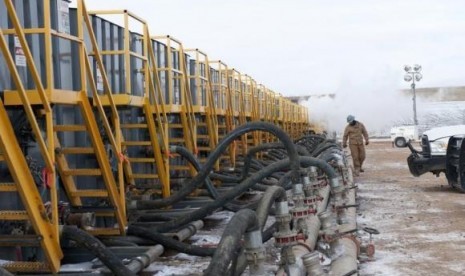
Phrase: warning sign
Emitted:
{"points": [[20, 58], [63, 16], [99, 81]]}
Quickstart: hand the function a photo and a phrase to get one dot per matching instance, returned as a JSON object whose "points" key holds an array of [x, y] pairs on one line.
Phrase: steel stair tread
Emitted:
{"points": [[8, 187], [136, 143], [69, 128], [82, 172], [143, 176], [141, 160], [90, 193], [14, 215], [133, 126], [77, 150]]}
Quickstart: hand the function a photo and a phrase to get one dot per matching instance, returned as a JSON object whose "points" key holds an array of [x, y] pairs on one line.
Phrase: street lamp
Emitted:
{"points": [[412, 75]]}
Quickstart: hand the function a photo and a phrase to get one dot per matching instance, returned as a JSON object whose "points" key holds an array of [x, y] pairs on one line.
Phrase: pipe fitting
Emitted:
{"points": [[284, 236], [82, 220], [328, 224], [334, 183], [255, 252], [312, 264]]}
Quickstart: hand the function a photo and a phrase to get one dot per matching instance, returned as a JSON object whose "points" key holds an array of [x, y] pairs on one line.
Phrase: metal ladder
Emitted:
{"points": [[44, 221]]}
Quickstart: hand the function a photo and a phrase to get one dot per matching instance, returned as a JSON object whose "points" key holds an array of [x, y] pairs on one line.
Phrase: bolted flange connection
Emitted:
{"points": [[284, 236]]}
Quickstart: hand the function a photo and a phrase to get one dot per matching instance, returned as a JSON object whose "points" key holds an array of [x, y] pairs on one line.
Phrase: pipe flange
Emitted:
{"points": [[285, 239]]}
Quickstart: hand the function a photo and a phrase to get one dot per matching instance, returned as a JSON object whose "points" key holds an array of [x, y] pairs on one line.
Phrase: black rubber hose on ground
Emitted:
{"points": [[169, 242], [186, 154], [195, 182], [321, 148], [284, 181], [243, 221], [96, 247], [241, 188], [273, 194]]}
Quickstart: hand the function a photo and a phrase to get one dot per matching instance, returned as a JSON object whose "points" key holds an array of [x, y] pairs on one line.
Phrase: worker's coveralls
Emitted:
{"points": [[355, 134]]}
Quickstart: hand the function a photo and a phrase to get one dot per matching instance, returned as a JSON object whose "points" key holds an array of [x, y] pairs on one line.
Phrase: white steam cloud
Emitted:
{"points": [[377, 102]]}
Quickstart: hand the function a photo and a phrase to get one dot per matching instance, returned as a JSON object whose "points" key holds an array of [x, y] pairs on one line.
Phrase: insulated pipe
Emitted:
{"points": [[84, 239], [170, 242], [195, 182], [242, 222], [242, 187], [188, 231], [181, 235], [137, 264]]}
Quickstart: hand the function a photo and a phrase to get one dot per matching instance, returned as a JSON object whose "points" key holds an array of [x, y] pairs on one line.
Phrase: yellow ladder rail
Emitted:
{"points": [[102, 159], [28, 192], [114, 138], [48, 158]]}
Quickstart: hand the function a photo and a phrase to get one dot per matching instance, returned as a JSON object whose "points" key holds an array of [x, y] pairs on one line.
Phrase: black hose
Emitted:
{"points": [[96, 247], [170, 242], [285, 181], [217, 152], [321, 148], [241, 188], [274, 193], [242, 222], [186, 154]]}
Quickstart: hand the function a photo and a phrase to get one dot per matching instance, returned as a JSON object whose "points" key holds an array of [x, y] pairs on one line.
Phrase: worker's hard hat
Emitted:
{"points": [[350, 118]]}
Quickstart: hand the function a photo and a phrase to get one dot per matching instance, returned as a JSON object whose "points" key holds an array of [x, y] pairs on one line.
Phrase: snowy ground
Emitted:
{"points": [[420, 219]]}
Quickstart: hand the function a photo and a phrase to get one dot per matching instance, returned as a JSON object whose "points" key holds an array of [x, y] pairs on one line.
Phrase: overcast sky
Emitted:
{"points": [[300, 47]]}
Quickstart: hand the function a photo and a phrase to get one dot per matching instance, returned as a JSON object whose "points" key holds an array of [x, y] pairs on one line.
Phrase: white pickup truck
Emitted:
{"points": [[400, 135]]}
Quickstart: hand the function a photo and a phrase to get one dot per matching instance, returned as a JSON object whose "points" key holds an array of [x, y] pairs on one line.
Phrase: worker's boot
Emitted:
{"points": [[362, 170], [357, 172]]}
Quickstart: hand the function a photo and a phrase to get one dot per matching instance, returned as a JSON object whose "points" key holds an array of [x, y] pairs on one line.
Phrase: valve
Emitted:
{"points": [[369, 249]]}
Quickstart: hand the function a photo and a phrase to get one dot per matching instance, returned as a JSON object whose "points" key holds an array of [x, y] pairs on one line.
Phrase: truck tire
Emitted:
{"points": [[400, 142]]}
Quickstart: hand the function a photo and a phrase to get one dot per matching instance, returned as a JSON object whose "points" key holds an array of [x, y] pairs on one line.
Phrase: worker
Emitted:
{"points": [[355, 132]]}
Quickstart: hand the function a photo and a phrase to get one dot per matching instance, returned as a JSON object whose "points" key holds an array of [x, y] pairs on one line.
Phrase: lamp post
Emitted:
{"points": [[412, 75]]}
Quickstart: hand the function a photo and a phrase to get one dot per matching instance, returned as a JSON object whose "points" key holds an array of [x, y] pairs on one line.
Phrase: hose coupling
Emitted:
{"points": [[255, 252]]}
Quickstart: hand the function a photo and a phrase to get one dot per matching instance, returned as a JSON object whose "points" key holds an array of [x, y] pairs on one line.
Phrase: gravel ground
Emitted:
{"points": [[420, 219]]}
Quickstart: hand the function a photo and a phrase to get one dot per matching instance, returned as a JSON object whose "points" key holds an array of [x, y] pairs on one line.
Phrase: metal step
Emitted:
{"points": [[177, 140], [143, 176], [133, 126], [141, 160], [73, 150], [62, 128], [136, 143], [90, 193], [203, 136], [14, 215], [2, 158], [175, 126], [203, 148], [82, 172], [179, 168], [26, 267], [20, 240], [8, 187]]}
